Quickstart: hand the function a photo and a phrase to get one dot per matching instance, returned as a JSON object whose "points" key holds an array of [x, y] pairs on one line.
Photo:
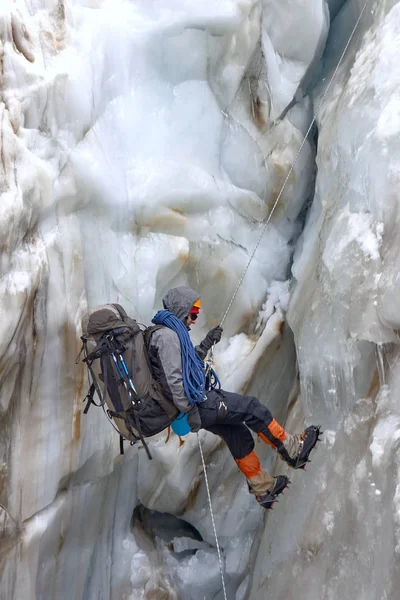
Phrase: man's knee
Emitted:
{"points": [[242, 445], [258, 410]]}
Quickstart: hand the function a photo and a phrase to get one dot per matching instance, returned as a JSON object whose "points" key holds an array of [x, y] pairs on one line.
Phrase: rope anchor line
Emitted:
{"points": [[253, 254]]}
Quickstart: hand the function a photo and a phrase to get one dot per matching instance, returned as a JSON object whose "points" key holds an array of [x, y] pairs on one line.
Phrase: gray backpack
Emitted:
{"points": [[116, 348]]}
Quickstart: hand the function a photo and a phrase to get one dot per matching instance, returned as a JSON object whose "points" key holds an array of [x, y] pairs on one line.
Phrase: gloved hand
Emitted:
{"points": [[193, 419], [212, 337]]}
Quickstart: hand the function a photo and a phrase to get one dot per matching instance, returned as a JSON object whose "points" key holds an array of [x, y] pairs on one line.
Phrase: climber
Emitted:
{"points": [[226, 414]]}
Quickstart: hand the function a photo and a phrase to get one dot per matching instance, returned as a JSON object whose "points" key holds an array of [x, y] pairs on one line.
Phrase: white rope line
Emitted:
{"points": [[221, 568], [294, 163]]}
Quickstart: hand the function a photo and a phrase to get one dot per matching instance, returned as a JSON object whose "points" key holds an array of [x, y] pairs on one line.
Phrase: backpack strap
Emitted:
{"points": [[148, 332], [122, 312], [94, 387], [89, 398]]}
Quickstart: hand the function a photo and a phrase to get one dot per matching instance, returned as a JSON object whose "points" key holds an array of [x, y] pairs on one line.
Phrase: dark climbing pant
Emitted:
{"points": [[231, 416]]}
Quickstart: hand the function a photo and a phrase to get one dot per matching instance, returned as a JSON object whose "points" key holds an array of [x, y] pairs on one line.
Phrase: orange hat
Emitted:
{"points": [[196, 307]]}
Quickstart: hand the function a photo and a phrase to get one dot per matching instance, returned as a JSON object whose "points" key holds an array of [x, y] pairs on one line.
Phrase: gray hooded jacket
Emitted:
{"points": [[165, 349]]}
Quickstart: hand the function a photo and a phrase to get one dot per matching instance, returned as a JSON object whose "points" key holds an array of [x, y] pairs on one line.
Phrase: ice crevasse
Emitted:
{"points": [[143, 144]]}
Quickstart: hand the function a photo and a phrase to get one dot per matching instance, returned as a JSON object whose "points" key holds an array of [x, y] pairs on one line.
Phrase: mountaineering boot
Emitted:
{"points": [[268, 499], [297, 448]]}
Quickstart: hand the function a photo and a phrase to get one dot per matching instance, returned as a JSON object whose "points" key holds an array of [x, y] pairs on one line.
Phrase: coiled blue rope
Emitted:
{"points": [[194, 377]]}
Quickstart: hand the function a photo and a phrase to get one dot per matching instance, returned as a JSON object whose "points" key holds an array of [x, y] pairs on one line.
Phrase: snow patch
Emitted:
{"points": [[277, 298], [386, 433], [359, 228], [329, 521]]}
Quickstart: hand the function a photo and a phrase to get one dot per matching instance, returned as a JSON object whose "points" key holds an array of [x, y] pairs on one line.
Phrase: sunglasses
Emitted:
{"points": [[193, 316]]}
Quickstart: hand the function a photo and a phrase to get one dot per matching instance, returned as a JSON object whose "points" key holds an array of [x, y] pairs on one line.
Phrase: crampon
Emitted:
{"points": [[309, 439], [267, 501]]}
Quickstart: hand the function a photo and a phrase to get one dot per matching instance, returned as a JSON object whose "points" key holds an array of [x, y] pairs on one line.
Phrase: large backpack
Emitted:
{"points": [[116, 348]]}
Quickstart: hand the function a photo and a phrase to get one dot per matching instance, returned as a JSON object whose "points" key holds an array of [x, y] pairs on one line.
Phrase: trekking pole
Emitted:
{"points": [[127, 373], [121, 374]]}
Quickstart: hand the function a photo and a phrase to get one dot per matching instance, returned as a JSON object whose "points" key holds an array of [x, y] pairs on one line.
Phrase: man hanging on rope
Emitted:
{"points": [[179, 369]]}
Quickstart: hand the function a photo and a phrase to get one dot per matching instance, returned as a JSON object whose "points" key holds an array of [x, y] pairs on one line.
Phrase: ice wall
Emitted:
{"points": [[142, 145], [337, 535]]}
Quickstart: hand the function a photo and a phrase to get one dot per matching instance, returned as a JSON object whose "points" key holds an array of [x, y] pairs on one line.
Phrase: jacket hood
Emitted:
{"points": [[180, 300]]}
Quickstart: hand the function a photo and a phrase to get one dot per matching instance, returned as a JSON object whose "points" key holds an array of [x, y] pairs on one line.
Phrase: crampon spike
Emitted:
{"points": [[268, 500], [309, 439]]}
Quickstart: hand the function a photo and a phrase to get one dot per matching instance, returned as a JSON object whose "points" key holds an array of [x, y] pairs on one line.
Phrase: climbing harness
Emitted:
{"points": [[212, 518], [255, 250], [212, 380]]}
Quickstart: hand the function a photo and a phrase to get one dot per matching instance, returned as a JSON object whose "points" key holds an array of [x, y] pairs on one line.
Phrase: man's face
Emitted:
{"points": [[191, 320], [194, 313]]}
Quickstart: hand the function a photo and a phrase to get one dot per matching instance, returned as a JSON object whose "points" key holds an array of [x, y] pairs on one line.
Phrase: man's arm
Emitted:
{"points": [[212, 337]]}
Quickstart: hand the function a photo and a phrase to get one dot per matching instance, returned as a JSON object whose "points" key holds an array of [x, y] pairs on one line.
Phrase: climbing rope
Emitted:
{"points": [[293, 165], [212, 519]]}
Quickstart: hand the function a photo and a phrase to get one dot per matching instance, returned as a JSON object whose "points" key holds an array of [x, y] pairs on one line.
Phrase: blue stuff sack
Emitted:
{"points": [[181, 426]]}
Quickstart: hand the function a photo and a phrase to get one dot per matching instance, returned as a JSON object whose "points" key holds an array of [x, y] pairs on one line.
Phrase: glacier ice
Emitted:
{"points": [[142, 145]]}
